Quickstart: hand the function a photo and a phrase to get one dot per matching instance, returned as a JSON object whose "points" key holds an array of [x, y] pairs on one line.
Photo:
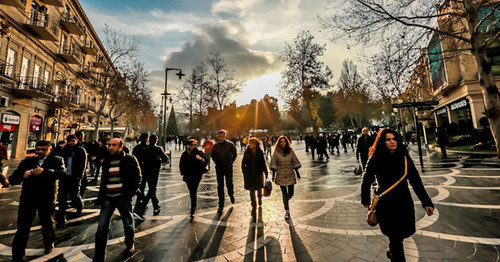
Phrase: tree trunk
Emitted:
{"points": [[112, 127], [97, 124], [490, 93], [486, 78]]}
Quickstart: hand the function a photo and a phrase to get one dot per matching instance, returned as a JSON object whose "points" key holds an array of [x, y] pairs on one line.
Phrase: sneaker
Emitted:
{"points": [[157, 211], [219, 210], [287, 215], [232, 199], [139, 217]]}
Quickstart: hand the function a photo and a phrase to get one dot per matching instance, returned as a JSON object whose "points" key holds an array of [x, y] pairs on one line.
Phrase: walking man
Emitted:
{"points": [[364, 143], [38, 175], [121, 176], [152, 157], [75, 159], [224, 154], [80, 136]]}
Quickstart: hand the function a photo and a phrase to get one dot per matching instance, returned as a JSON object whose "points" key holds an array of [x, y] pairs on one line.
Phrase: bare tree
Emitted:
{"points": [[223, 84], [304, 75], [468, 27], [132, 95], [119, 50]]}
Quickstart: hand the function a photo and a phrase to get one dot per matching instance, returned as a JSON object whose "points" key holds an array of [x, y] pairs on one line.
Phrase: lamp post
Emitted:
{"points": [[164, 95]]}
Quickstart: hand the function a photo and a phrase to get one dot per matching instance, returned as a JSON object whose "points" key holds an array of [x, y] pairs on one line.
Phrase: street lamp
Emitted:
{"points": [[164, 95]]}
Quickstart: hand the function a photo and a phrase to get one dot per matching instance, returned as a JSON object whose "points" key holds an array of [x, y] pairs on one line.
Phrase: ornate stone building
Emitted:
{"points": [[51, 68]]}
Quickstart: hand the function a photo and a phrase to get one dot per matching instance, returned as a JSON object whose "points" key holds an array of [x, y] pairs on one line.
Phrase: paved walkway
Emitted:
{"points": [[328, 222]]}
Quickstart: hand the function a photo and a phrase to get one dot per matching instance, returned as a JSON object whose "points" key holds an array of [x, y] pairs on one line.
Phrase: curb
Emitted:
{"points": [[484, 154]]}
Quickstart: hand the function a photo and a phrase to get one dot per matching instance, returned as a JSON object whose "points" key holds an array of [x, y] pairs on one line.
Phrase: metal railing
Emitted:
{"points": [[34, 83], [42, 20], [71, 51], [6, 70], [73, 19]]}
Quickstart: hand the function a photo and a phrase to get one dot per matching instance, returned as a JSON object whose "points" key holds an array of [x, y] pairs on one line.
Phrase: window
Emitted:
{"points": [[489, 25], [11, 60], [25, 66], [36, 75]]}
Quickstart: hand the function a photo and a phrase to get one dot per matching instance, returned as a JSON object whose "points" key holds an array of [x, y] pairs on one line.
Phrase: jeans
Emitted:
{"points": [[226, 174], [151, 178], [25, 217], [108, 206], [287, 192], [192, 186], [68, 185], [397, 251]]}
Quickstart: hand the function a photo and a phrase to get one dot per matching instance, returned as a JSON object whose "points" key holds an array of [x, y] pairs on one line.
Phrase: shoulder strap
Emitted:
{"points": [[397, 182]]}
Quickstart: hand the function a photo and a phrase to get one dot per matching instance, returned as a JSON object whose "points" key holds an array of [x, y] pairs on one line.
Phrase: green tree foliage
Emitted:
{"points": [[172, 124]]}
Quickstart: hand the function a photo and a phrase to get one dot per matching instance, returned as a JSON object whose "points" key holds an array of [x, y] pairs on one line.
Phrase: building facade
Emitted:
{"points": [[454, 76], [51, 71]]}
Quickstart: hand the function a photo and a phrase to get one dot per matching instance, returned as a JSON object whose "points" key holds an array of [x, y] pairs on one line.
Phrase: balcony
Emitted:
{"points": [[52, 2], [71, 55], [89, 50], [65, 100], [83, 109], [42, 26], [34, 88], [6, 73], [99, 64], [19, 4], [86, 72], [72, 26]]}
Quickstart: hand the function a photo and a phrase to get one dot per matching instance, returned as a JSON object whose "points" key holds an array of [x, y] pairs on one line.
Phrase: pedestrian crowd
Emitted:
{"points": [[59, 173]]}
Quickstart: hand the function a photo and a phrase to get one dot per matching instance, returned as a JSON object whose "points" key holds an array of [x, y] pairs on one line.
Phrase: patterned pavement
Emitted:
{"points": [[328, 222]]}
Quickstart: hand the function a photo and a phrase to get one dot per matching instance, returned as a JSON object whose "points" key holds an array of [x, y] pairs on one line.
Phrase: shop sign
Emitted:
{"points": [[459, 104], [441, 111], [10, 128], [11, 119], [35, 124]]}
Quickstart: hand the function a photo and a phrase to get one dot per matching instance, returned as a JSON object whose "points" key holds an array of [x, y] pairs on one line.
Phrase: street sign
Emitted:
{"points": [[427, 103], [413, 104], [425, 108], [402, 105]]}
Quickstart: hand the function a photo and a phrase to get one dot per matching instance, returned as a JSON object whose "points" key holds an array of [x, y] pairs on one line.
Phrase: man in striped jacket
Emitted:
{"points": [[121, 176]]}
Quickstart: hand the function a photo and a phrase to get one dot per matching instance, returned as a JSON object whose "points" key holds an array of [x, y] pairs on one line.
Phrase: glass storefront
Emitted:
{"points": [[9, 127], [34, 133]]}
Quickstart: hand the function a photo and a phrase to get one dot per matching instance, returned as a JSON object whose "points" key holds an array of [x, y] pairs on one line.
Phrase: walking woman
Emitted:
{"points": [[254, 167], [192, 165], [283, 164], [395, 212]]}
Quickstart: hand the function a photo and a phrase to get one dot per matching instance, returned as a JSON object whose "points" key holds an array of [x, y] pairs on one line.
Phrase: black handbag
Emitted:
{"points": [[268, 187]]}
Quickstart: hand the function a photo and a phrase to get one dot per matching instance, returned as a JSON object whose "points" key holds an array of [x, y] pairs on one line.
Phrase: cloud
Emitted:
{"points": [[230, 39]]}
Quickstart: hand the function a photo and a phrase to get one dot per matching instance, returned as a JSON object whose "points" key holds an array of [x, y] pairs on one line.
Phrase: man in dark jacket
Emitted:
{"points": [[192, 166], [121, 176], [80, 136], [364, 143], [38, 175], [101, 154], [224, 154], [75, 159], [152, 158]]}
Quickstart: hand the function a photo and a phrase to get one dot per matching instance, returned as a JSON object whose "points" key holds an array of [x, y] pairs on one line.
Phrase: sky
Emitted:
{"points": [[250, 34]]}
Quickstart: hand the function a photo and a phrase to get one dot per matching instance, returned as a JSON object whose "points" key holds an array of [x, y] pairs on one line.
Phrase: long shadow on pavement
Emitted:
{"points": [[299, 249], [210, 242]]}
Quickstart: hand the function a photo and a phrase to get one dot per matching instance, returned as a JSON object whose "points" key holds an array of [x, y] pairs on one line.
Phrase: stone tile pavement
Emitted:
{"points": [[328, 222]]}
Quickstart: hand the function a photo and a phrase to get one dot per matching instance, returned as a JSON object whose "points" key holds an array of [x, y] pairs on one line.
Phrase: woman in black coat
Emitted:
{"points": [[192, 165], [254, 167], [395, 212]]}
